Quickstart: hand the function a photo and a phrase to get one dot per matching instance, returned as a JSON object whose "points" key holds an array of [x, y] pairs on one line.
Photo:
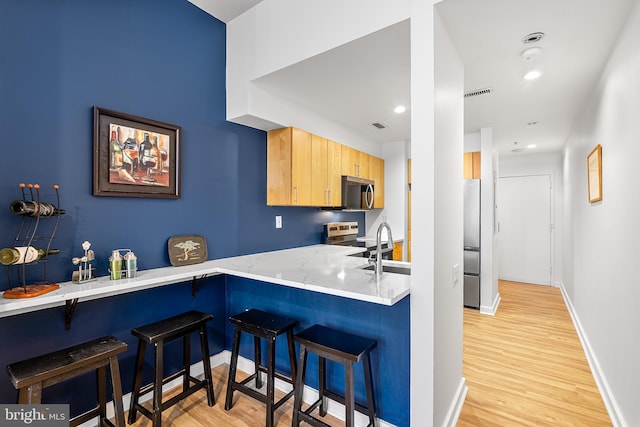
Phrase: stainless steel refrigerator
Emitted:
{"points": [[472, 243]]}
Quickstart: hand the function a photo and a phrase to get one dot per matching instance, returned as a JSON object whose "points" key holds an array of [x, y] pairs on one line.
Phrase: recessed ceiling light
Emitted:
{"points": [[531, 146], [532, 75], [400, 109], [533, 37]]}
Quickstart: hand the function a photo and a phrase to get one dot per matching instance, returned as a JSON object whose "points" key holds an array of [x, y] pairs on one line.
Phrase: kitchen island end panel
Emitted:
{"points": [[389, 325]]}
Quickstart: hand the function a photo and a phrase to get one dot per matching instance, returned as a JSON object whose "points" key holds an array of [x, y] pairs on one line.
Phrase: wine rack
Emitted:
{"points": [[39, 214]]}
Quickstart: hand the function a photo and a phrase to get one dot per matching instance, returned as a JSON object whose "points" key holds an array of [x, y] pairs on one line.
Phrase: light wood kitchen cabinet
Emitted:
{"points": [[326, 161], [355, 162], [472, 165], [288, 167], [376, 173], [306, 170], [397, 251]]}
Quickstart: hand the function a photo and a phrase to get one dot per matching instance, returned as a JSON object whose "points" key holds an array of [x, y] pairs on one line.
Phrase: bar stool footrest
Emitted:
{"points": [[89, 415], [340, 399], [149, 387], [310, 419], [277, 375], [260, 397]]}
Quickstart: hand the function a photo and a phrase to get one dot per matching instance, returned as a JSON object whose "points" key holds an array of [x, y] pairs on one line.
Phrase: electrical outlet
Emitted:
{"points": [[278, 221], [455, 274]]}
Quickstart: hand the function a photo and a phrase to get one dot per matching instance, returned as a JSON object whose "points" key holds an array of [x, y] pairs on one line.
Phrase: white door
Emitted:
{"points": [[524, 209]]}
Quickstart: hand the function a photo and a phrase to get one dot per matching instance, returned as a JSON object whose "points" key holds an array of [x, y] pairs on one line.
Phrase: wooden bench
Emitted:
{"points": [[31, 376]]}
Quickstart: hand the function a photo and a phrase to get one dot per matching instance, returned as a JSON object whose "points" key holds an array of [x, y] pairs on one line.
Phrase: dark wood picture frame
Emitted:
{"points": [[594, 174], [135, 156]]}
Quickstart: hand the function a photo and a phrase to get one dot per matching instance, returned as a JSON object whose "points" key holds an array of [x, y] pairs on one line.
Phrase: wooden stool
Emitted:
{"points": [[268, 326], [32, 375], [158, 334], [339, 347]]}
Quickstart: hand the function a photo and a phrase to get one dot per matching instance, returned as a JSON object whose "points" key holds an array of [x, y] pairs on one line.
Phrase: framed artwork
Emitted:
{"points": [[594, 174], [187, 249], [134, 156]]}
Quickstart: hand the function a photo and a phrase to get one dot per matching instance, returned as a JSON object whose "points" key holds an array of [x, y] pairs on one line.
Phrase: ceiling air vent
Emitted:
{"points": [[379, 125], [477, 92]]}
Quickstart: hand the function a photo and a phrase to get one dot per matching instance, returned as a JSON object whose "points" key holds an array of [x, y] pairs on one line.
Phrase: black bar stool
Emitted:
{"points": [[343, 348], [31, 376], [267, 326], [158, 334]]}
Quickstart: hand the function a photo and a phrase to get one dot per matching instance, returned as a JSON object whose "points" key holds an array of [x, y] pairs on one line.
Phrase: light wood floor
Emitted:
{"points": [[246, 412], [526, 366]]}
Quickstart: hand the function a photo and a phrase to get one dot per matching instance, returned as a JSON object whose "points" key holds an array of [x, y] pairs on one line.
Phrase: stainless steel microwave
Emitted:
{"points": [[357, 193]]}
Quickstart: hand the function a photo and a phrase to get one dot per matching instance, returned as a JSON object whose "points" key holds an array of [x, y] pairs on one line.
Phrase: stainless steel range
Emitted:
{"points": [[346, 234], [341, 233]]}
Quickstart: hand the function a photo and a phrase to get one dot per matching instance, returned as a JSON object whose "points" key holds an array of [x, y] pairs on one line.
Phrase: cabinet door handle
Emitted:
{"points": [[330, 197], [296, 198]]}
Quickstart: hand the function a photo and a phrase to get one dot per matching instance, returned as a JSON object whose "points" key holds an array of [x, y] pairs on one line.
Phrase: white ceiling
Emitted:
{"points": [[361, 82]]}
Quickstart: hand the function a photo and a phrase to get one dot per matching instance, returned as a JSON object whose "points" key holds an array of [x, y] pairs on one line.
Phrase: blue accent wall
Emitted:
{"points": [[159, 59]]}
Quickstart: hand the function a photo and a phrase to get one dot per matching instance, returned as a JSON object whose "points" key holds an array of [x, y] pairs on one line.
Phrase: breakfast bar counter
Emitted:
{"points": [[317, 284], [327, 269]]}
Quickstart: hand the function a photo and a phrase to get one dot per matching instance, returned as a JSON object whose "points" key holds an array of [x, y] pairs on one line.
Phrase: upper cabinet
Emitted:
{"points": [[376, 173], [306, 170], [355, 162], [472, 165], [326, 161], [288, 167]]}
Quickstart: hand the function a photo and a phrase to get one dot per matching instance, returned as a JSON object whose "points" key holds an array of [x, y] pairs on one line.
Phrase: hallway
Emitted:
{"points": [[526, 366]]}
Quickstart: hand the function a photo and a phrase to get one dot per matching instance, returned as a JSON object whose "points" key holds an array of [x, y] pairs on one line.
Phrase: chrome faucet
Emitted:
{"points": [[379, 251]]}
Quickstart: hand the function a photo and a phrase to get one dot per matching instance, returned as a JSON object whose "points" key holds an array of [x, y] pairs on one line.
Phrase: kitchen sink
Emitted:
{"points": [[397, 269]]}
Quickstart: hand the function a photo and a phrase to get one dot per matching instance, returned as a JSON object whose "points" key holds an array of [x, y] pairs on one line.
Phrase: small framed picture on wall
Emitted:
{"points": [[594, 174]]}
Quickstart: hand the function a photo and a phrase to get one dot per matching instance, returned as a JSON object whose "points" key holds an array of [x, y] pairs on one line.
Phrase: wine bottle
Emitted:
{"points": [[24, 254], [31, 208], [116, 152]]}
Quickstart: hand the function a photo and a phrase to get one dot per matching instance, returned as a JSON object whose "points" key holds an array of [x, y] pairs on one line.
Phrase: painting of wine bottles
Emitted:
{"points": [[138, 157], [135, 156]]}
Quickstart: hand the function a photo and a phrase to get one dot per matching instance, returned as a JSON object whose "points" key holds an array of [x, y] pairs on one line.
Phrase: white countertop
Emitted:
{"points": [[319, 268]]}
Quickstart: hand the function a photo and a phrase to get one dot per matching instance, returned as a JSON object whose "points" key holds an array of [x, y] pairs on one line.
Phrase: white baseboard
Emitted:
{"points": [[309, 395], [603, 386], [456, 405], [491, 310]]}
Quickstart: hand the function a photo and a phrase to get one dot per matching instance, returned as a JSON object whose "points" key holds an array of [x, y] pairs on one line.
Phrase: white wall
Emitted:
{"points": [[602, 252], [489, 296], [449, 384], [277, 33], [422, 214], [472, 142], [395, 192], [543, 164]]}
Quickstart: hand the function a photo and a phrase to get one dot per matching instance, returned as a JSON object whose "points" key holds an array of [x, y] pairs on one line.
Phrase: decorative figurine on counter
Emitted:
{"points": [[85, 271]]}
